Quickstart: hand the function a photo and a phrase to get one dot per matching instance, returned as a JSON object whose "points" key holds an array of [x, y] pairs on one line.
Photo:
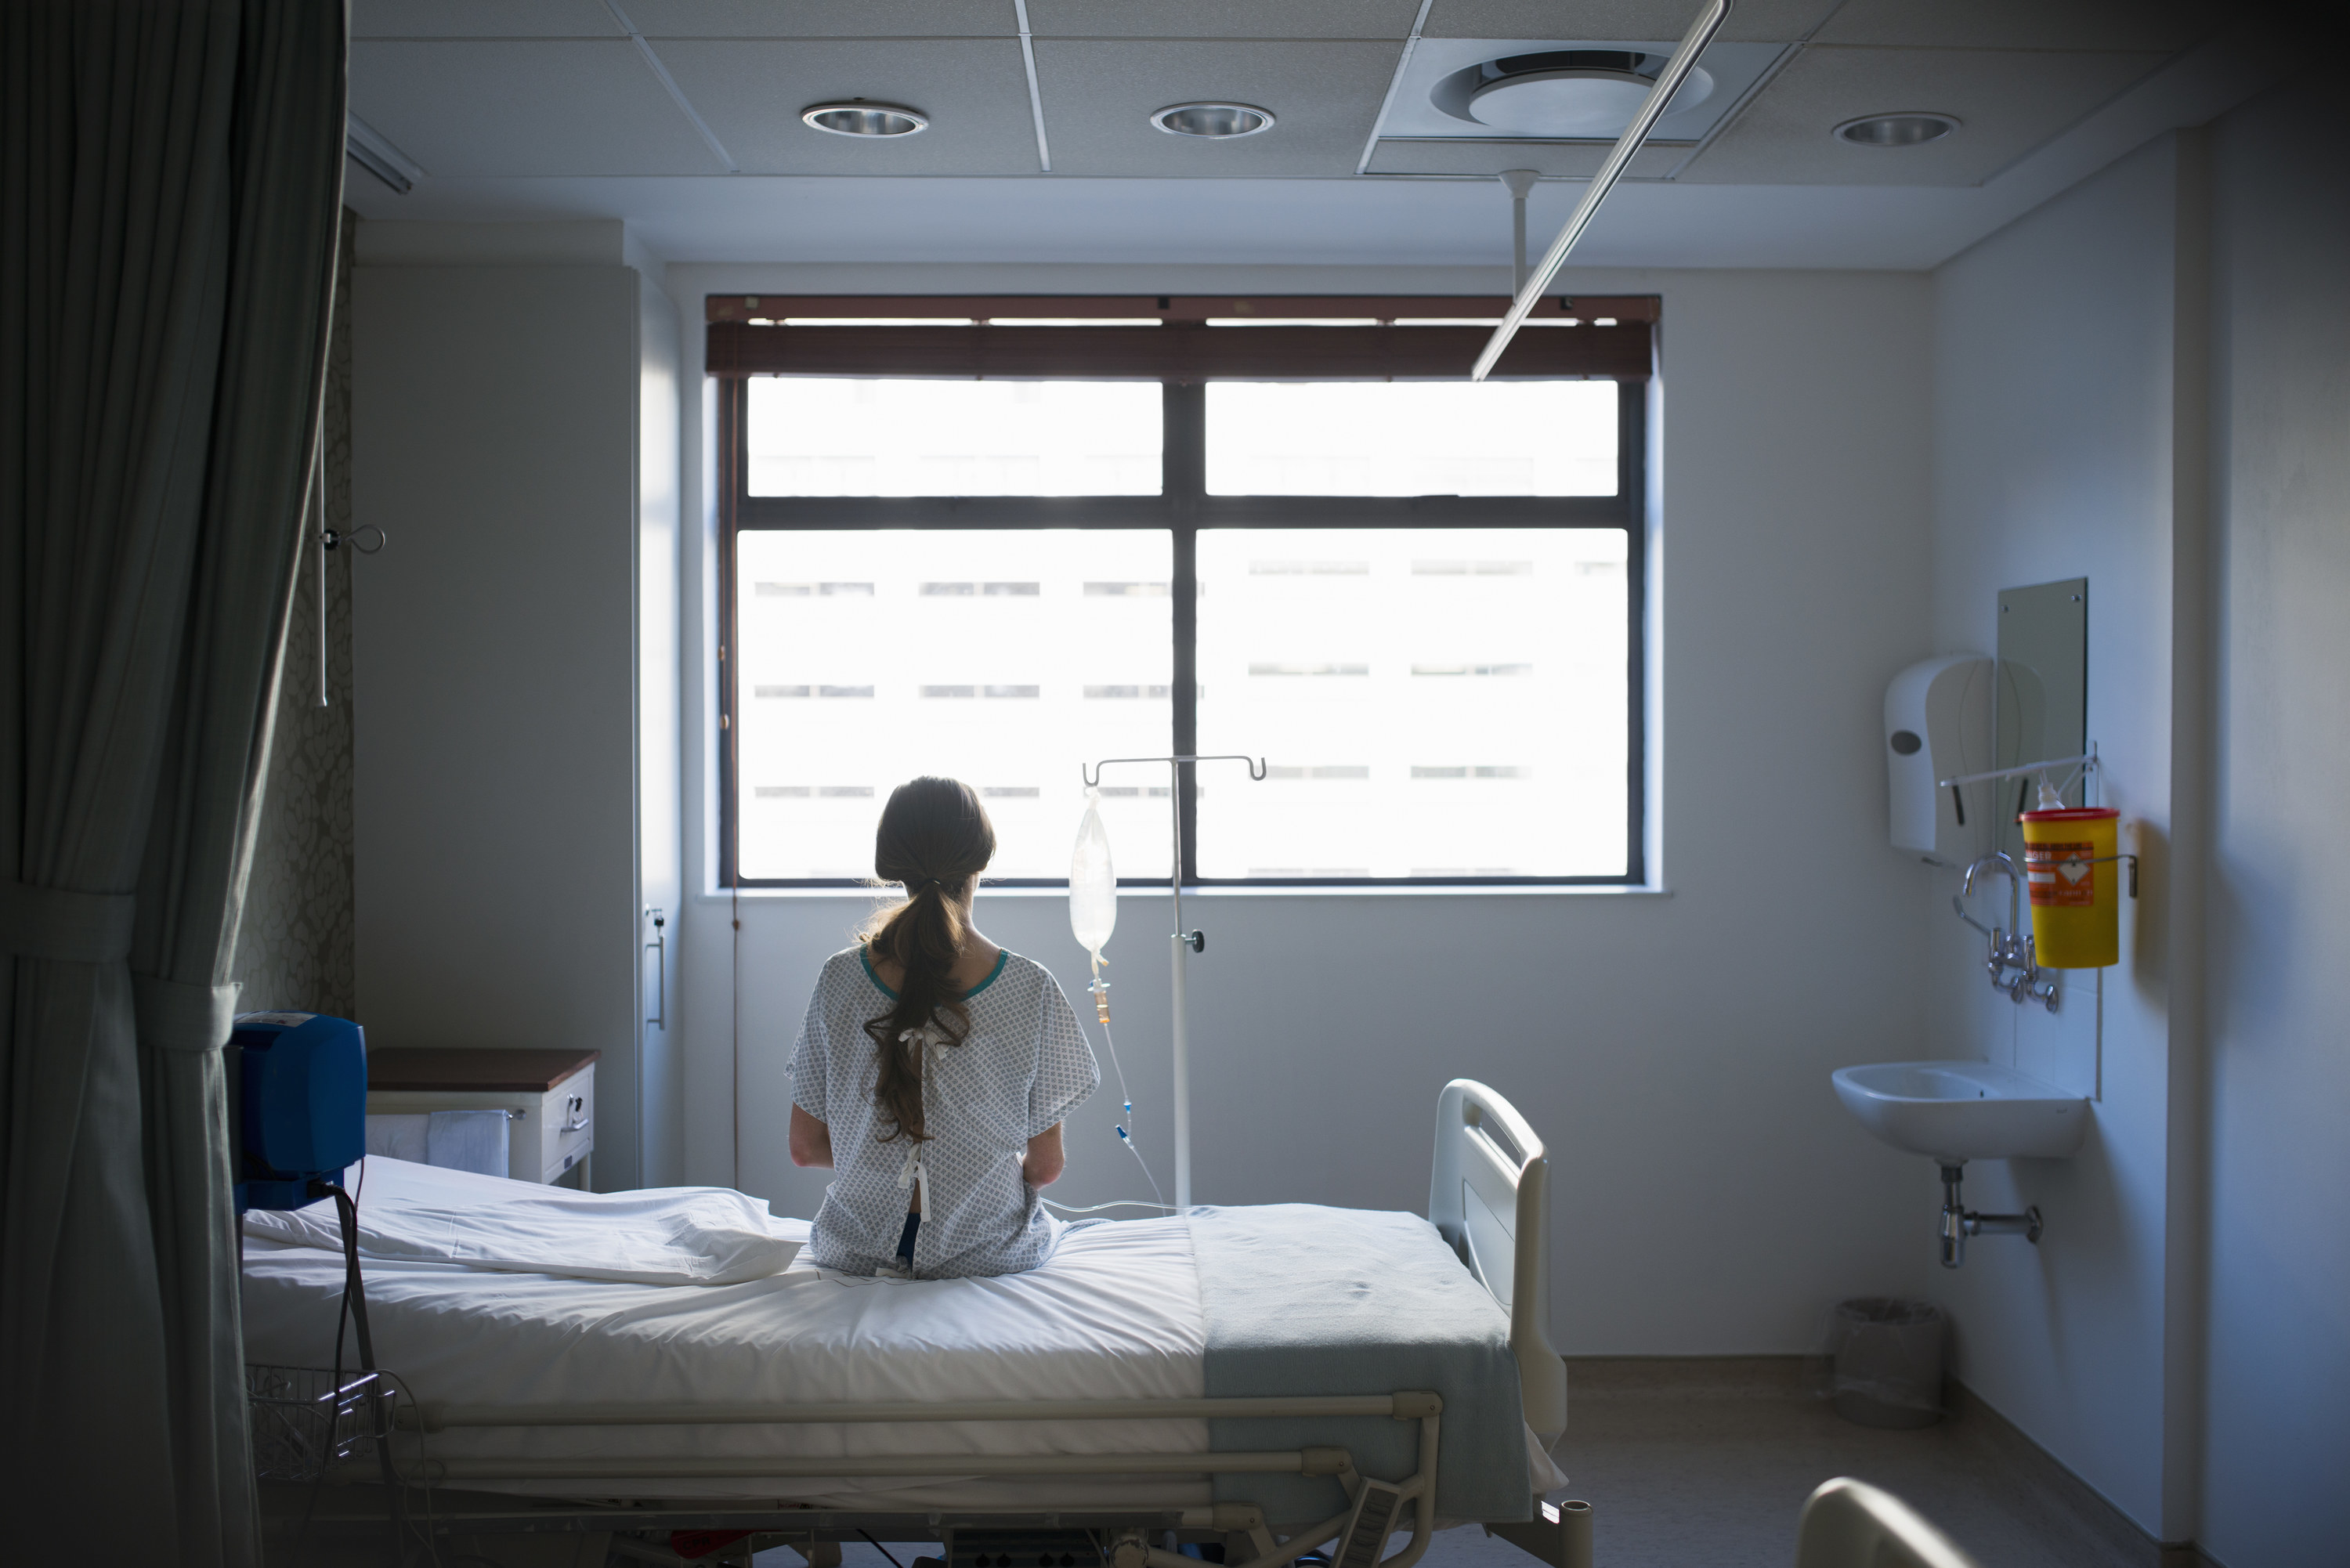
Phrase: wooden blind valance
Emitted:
{"points": [[755, 336]]}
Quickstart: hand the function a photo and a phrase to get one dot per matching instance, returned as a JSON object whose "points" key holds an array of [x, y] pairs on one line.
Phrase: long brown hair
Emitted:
{"points": [[936, 839]]}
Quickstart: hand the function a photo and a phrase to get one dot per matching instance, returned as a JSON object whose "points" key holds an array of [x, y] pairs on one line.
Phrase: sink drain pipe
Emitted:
{"points": [[1959, 1221]]}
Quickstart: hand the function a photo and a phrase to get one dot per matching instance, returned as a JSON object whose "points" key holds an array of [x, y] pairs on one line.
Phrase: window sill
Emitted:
{"points": [[1576, 890]]}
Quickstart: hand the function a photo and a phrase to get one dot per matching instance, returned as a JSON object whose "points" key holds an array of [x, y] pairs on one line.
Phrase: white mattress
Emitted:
{"points": [[1115, 1315]]}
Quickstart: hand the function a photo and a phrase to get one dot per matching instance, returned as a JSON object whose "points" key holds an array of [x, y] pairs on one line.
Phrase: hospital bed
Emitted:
{"points": [[1260, 1381]]}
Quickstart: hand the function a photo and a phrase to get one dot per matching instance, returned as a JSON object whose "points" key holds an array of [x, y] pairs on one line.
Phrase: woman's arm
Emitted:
{"points": [[812, 1141], [1045, 1161]]}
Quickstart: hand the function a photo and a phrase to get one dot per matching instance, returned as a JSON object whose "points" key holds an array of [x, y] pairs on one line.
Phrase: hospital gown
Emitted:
{"points": [[1023, 1067]]}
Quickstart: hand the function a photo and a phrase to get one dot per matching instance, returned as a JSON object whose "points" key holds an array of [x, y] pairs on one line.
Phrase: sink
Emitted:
{"points": [[1958, 1111]]}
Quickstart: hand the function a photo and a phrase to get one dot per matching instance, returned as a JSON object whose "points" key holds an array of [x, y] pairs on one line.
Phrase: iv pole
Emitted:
{"points": [[1186, 944]]}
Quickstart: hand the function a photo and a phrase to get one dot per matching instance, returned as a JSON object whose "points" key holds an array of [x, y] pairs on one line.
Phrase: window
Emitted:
{"points": [[1450, 703], [1411, 438], [1002, 656], [834, 436], [1418, 600]]}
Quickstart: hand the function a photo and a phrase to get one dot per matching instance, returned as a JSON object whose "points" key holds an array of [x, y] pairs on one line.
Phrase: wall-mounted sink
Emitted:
{"points": [[1958, 1111]]}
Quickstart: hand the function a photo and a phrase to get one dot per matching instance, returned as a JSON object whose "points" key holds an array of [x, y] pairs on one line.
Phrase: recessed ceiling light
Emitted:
{"points": [[858, 118], [1213, 119], [1895, 129]]}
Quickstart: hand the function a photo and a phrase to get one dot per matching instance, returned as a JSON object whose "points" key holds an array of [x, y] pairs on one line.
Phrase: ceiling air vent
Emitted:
{"points": [[1563, 94]]}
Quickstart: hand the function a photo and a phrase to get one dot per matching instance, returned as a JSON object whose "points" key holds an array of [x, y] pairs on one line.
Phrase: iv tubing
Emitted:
{"points": [[1100, 989]]}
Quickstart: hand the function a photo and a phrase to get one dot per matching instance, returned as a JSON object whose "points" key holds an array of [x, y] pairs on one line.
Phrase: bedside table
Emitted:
{"points": [[549, 1097]]}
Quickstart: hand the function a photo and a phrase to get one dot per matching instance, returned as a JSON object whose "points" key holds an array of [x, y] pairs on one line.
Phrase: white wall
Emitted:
{"points": [[496, 442], [2147, 382], [2053, 444], [2279, 1358], [1674, 1050]]}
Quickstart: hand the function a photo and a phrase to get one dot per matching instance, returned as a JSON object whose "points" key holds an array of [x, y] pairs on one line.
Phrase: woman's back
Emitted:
{"points": [[1021, 1066], [925, 1091]]}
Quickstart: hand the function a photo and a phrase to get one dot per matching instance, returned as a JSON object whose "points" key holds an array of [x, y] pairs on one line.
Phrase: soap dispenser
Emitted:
{"points": [[1937, 726]]}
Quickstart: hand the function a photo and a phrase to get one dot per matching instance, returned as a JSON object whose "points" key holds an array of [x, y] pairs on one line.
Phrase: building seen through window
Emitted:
{"points": [[1444, 690]]}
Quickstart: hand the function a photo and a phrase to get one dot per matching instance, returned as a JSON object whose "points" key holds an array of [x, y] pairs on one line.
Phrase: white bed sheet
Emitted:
{"points": [[1115, 1315], [658, 1236]]}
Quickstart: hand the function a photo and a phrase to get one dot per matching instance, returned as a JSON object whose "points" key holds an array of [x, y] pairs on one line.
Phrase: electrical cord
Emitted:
{"points": [[334, 1416], [353, 1308], [350, 1277], [424, 1468]]}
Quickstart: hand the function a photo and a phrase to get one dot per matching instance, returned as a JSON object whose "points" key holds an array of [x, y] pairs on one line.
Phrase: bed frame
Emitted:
{"points": [[1487, 1197]]}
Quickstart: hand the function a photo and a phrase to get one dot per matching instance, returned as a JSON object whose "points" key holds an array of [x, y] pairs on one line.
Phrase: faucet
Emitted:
{"points": [[2011, 947]]}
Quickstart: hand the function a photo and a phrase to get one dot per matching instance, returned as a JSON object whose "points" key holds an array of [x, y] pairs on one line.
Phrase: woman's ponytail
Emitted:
{"points": [[935, 838]]}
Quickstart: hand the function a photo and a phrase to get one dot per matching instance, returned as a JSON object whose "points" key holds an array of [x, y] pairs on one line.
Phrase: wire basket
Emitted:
{"points": [[304, 1419]]}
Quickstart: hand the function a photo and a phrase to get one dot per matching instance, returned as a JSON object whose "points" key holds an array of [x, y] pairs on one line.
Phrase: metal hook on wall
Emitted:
{"points": [[332, 538], [367, 539]]}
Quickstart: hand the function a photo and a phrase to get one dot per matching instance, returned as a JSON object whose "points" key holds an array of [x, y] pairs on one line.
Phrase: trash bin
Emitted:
{"points": [[1887, 1362]]}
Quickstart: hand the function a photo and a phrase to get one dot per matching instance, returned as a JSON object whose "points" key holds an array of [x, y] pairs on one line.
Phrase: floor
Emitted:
{"points": [[1696, 1464], [1706, 1464]]}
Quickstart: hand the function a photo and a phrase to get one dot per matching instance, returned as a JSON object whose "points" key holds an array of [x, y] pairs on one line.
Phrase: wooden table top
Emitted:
{"points": [[495, 1069]]}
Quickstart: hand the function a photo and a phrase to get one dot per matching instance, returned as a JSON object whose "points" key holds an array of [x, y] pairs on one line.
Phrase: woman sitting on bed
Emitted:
{"points": [[934, 1068]]}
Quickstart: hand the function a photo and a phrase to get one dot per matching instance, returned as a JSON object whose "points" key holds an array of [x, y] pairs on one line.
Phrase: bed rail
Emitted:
{"points": [[435, 1417], [1313, 1462], [1489, 1196], [1424, 1407]]}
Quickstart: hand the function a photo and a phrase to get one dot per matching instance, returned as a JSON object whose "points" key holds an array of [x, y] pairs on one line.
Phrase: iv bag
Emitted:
{"points": [[1093, 885]]}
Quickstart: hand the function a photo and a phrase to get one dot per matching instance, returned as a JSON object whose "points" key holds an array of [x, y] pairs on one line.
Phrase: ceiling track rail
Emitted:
{"points": [[1669, 82], [1729, 117], [1035, 97]]}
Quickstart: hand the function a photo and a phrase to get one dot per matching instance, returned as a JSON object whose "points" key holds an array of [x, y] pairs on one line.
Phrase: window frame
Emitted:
{"points": [[1183, 507]]}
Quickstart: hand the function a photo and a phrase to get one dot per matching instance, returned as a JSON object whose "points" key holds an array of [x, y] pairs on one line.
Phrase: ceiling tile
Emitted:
{"points": [[1552, 160], [2165, 24], [552, 107], [1222, 18], [1753, 21], [483, 19], [975, 91], [1098, 98], [2010, 101], [823, 18]]}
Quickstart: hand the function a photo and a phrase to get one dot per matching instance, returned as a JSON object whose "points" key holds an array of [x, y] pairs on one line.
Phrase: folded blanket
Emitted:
{"points": [[660, 1236]]}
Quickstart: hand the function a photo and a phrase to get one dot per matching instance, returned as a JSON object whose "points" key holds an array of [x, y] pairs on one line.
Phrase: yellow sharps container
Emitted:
{"points": [[2068, 863]]}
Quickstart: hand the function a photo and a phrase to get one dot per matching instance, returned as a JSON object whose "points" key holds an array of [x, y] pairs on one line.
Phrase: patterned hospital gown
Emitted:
{"points": [[1024, 1066]]}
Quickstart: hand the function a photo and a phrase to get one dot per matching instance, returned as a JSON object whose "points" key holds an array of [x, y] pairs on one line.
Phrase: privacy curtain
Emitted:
{"points": [[169, 184]]}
